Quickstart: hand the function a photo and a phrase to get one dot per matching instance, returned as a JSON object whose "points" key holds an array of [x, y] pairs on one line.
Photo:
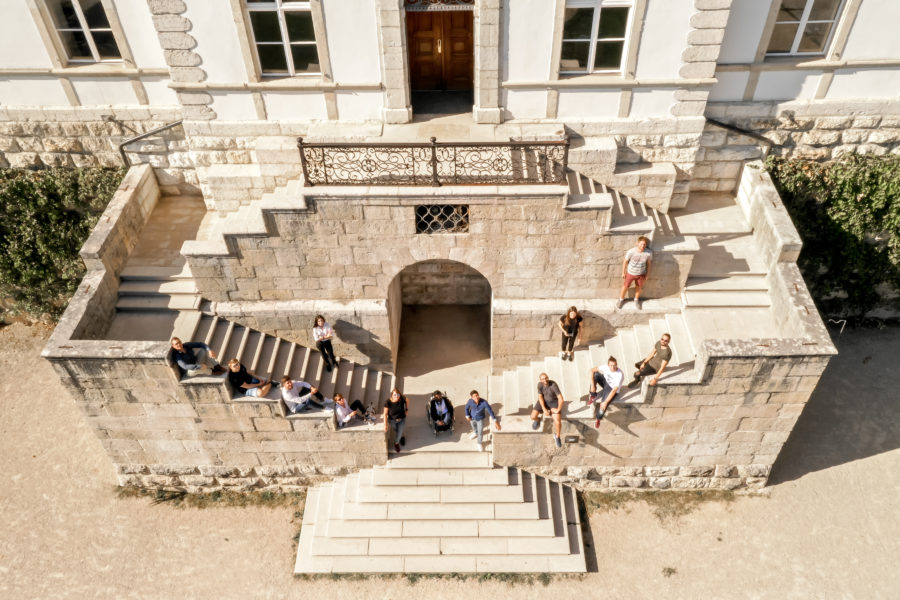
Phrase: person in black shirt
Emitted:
{"points": [[570, 325], [395, 410], [244, 383]]}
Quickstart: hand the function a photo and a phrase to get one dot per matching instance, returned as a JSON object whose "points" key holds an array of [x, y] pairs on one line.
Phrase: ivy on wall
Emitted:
{"points": [[848, 214], [46, 217]]}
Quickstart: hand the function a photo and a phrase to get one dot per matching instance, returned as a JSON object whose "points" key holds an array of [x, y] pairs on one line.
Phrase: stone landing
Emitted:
{"points": [[441, 512]]}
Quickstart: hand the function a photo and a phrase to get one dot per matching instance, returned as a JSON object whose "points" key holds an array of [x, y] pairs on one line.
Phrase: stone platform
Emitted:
{"points": [[441, 512]]}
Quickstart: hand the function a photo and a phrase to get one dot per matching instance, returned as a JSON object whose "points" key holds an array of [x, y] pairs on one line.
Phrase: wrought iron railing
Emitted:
{"points": [[435, 163]]}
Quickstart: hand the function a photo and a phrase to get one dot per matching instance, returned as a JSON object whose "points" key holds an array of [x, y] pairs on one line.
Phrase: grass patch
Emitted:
{"points": [[529, 579], [181, 499], [666, 505]]}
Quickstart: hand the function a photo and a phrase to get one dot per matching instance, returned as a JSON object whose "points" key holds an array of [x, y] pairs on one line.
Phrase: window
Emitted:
{"points": [[442, 218], [803, 27], [84, 30], [284, 37], [594, 36]]}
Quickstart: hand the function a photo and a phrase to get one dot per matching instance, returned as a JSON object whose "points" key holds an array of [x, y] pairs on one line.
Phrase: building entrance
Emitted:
{"points": [[440, 50]]}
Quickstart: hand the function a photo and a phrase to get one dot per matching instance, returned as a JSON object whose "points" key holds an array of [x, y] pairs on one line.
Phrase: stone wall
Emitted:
{"points": [[443, 282], [724, 432]]}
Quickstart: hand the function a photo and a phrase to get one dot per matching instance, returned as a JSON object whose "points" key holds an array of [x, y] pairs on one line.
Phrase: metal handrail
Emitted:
{"points": [[142, 136], [350, 163]]}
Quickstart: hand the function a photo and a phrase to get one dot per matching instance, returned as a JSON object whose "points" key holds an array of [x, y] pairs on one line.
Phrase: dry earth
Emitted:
{"points": [[828, 527]]}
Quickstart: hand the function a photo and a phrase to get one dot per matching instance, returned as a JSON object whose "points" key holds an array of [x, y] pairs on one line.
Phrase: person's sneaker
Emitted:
{"points": [[592, 397], [620, 303], [558, 441], [473, 435], [571, 357], [403, 441], [562, 356], [397, 448], [480, 447], [218, 370], [535, 424], [597, 424], [638, 303], [328, 367]]}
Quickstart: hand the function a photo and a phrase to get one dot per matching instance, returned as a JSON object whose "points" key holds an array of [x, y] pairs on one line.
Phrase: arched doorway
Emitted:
{"points": [[440, 313]]}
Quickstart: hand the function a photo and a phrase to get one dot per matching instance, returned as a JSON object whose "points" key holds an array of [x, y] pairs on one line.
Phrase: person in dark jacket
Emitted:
{"points": [[193, 358], [441, 411]]}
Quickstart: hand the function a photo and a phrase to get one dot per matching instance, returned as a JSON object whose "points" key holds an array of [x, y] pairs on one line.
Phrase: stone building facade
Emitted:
{"points": [[634, 85]]}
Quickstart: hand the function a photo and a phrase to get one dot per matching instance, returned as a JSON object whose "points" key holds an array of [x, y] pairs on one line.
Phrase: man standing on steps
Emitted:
{"points": [[193, 358], [655, 363], [610, 378], [549, 403], [476, 408], [636, 268]]}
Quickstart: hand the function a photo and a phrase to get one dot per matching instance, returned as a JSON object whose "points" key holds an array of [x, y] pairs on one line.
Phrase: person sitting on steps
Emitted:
{"points": [[655, 363], [610, 378], [193, 358], [299, 395], [245, 383], [345, 414], [549, 403]]}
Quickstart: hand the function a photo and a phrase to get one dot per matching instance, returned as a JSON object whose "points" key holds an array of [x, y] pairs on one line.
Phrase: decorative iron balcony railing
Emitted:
{"points": [[435, 163]]}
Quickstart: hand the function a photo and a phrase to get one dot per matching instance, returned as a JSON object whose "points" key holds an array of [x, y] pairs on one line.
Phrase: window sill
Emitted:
{"points": [[776, 63], [311, 83], [90, 70], [612, 80]]}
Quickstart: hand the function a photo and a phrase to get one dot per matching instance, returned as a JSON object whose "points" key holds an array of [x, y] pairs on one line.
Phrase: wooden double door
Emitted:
{"points": [[440, 50]]}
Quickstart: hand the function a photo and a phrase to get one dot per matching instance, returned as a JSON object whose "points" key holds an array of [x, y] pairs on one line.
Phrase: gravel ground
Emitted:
{"points": [[827, 527]]}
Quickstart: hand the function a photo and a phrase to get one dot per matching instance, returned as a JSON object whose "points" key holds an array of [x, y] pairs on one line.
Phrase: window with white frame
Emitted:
{"points": [[803, 27], [84, 30], [284, 37], [595, 36]]}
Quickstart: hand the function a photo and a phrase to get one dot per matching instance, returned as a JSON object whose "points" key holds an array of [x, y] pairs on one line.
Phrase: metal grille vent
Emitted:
{"points": [[442, 218]]}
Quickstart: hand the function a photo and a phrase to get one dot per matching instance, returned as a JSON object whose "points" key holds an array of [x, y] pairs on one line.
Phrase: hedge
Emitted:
{"points": [[848, 214], [47, 216]]}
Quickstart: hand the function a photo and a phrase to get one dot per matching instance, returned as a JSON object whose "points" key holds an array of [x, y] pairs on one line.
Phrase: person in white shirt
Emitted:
{"points": [[609, 377], [299, 395], [322, 334], [345, 414]]}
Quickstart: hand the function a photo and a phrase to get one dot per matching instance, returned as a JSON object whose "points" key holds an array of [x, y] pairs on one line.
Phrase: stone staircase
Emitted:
{"points": [[440, 512], [154, 289], [273, 357], [517, 388]]}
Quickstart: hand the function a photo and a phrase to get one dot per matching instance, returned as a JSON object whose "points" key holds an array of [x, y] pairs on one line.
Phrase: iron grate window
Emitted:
{"points": [[442, 218]]}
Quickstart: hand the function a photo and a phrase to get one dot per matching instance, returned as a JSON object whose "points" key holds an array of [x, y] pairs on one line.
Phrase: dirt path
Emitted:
{"points": [[829, 528]]}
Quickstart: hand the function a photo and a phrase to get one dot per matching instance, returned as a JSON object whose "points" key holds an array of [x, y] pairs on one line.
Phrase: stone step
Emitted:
{"points": [[157, 303], [726, 298], [441, 460], [429, 477], [144, 287], [186, 324], [439, 494], [135, 273], [736, 283]]}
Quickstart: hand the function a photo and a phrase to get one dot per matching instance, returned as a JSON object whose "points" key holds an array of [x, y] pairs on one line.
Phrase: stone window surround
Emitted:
{"points": [[828, 61], [596, 5], [773, 18], [40, 12]]}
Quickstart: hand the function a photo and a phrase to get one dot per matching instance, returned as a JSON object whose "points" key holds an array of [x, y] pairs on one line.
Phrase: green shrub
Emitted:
{"points": [[47, 216], [848, 214]]}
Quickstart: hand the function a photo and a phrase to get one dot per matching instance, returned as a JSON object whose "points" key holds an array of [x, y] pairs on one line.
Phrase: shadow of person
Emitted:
{"points": [[364, 341]]}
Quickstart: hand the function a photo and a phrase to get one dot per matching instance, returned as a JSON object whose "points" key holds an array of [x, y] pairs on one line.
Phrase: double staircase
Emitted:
{"points": [[441, 512]]}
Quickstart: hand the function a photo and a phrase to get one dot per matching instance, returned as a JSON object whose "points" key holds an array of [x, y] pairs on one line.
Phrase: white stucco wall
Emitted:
{"points": [[352, 37], [525, 104], [527, 43], [666, 26], [140, 34], [864, 83], [875, 31], [32, 91], [744, 30], [730, 86], [588, 104], [104, 90], [158, 91], [787, 85], [217, 41], [233, 106], [295, 106], [20, 43], [359, 106], [651, 103]]}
